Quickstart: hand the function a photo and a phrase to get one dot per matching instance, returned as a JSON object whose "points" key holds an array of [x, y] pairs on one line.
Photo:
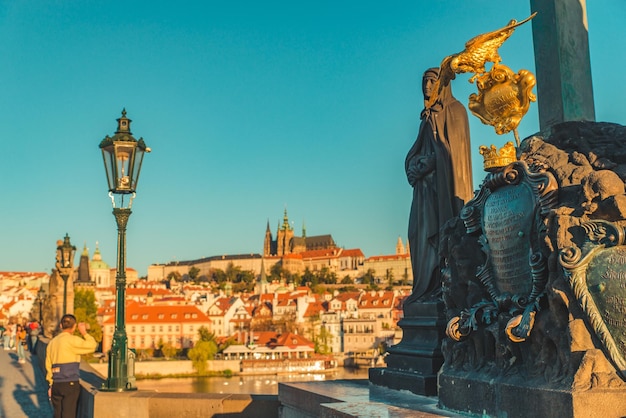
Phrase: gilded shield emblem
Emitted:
{"points": [[503, 98]]}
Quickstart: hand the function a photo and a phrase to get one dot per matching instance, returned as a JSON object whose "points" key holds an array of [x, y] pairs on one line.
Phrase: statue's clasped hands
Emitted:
{"points": [[420, 167]]}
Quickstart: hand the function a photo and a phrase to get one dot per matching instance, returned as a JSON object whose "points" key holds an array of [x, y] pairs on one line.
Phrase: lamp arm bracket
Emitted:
{"points": [[130, 200]]}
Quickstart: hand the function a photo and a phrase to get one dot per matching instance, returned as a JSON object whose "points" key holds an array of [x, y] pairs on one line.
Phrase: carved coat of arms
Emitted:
{"points": [[507, 213]]}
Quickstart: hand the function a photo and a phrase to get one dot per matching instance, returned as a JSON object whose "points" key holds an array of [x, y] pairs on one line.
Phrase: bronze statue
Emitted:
{"points": [[439, 169]]}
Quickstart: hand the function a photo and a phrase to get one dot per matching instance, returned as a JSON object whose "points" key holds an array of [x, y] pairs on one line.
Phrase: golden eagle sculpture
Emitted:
{"points": [[478, 51]]}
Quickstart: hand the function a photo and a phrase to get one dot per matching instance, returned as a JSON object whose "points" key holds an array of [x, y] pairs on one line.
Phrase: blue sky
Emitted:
{"points": [[249, 107]]}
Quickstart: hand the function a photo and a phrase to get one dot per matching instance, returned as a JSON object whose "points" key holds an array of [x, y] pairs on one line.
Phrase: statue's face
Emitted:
{"points": [[427, 84]]}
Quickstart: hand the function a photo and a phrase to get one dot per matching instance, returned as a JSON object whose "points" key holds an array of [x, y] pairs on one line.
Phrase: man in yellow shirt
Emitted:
{"points": [[63, 365]]}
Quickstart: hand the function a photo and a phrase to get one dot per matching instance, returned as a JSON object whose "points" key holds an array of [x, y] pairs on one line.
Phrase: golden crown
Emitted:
{"points": [[494, 159]]}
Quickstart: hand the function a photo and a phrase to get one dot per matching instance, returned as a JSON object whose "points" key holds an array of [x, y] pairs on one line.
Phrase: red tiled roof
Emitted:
{"points": [[355, 252], [388, 257], [345, 296], [273, 339], [291, 340], [325, 253], [140, 313], [315, 308], [143, 291], [376, 300], [263, 311], [22, 274], [293, 256]]}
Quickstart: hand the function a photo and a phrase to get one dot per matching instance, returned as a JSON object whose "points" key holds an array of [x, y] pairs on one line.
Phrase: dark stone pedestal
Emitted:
{"points": [[479, 395], [413, 363]]}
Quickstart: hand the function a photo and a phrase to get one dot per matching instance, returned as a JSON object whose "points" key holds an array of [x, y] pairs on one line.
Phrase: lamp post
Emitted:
{"points": [[123, 155], [65, 265], [41, 295]]}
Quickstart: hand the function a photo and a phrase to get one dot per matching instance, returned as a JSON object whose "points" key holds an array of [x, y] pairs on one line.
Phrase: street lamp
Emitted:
{"points": [[41, 296], [123, 155], [65, 265]]}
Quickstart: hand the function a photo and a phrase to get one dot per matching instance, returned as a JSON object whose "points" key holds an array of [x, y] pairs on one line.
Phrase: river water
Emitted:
{"points": [[259, 384]]}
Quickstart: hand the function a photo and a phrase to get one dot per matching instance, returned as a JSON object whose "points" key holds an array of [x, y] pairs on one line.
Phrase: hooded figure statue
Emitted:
{"points": [[439, 168]]}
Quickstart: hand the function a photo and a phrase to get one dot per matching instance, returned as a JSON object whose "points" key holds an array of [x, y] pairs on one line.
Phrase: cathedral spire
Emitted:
{"points": [[286, 226], [400, 247]]}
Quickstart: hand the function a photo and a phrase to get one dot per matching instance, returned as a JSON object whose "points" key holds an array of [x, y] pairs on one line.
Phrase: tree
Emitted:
{"points": [[309, 279], [193, 273], [347, 280], [200, 354], [174, 275], [205, 349], [389, 278], [168, 350], [85, 310], [278, 272], [368, 277], [205, 335], [218, 276], [232, 271], [286, 323], [326, 276], [321, 341], [243, 281], [405, 278]]}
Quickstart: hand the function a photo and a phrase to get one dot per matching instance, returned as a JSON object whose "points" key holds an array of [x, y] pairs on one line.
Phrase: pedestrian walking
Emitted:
{"points": [[20, 343], [35, 329], [63, 365], [8, 335], [12, 339]]}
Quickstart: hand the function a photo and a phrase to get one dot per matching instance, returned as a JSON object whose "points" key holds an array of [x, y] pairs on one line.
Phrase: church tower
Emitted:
{"points": [[100, 271], [284, 236], [267, 243], [84, 277], [400, 247], [261, 285], [83, 266]]}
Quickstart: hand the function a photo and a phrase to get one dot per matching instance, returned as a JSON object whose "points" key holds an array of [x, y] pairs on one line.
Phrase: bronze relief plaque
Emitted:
{"points": [[507, 222], [606, 283]]}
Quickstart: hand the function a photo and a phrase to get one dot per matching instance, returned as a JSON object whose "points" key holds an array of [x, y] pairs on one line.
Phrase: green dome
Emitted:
{"points": [[96, 262]]}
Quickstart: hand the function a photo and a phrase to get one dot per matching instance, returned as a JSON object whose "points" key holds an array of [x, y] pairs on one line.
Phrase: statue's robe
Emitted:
{"points": [[440, 195]]}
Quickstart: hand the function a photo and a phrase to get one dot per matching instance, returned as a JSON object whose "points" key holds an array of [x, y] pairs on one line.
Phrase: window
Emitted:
{"points": [[153, 328], [160, 328], [132, 329], [169, 328], [143, 329], [161, 316]]}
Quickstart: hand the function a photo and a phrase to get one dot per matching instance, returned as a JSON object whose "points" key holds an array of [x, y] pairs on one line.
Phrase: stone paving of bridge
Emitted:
{"points": [[23, 387]]}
